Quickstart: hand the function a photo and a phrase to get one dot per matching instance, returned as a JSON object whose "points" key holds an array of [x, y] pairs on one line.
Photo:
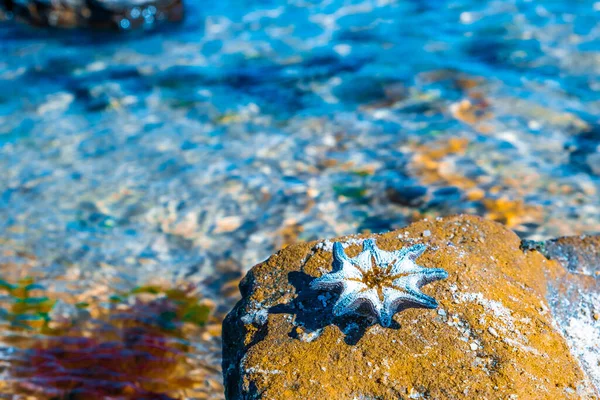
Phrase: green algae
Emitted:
{"points": [[26, 309]]}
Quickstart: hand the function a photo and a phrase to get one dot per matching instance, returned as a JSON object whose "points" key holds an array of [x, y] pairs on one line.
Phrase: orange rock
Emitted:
{"points": [[289, 233], [469, 111], [511, 212], [430, 164], [492, 336], [475, 194]]}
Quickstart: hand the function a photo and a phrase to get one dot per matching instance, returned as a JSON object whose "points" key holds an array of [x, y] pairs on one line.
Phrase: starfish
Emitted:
{"points": [[387, 281]]}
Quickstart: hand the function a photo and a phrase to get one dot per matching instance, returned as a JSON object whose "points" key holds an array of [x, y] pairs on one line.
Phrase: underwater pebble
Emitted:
{"points": [[407, 195]]}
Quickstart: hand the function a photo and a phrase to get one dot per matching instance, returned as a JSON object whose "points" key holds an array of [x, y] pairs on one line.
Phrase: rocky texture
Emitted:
{"points": [[574, 296], [578, 254], [98, 14], [493, 335]]}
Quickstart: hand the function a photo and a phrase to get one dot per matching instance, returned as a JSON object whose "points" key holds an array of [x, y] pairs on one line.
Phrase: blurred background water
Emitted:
{"points": [[143, 168]]}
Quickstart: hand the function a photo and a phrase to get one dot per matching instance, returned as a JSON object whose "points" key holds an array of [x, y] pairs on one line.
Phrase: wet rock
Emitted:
{"points": [[97, 14], [492, 336], [578, 254], [445, 197], [375, 224], [585, 150], [574, 295], [407, 195]]}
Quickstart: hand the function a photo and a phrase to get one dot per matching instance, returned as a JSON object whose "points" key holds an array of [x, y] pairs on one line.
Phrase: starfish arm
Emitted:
{"points": [[371, 298], [363, 260], [405, 260], [351, 271], [429, 275], [343, 264], [412, 283], [339, 256], [390, 296], [419, 277], [370, 250], [414, 252], [349, 299], [328, 281], [420, 298], [381, 257], [393, 300]]}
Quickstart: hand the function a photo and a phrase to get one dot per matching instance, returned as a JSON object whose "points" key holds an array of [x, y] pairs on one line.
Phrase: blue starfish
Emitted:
{"points": [[387, 281]]}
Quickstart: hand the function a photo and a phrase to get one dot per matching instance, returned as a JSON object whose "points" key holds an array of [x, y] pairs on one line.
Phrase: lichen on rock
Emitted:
{"points": [[493, 335]]}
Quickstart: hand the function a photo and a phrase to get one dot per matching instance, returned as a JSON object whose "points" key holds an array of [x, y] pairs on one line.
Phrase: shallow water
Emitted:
{"points": [[187, 155]]}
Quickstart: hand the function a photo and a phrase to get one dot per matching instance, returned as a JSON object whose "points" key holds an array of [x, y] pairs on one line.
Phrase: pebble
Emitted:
{"points": [[492, 332], [407, 195], [228, 224]]}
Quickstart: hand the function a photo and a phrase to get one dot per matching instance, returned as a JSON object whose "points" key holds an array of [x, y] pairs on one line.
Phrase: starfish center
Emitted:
{"points": [[378, 277]]}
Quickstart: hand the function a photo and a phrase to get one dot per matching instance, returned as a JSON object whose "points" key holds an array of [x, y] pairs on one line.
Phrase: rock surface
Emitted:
{"points": [[97, 14], [493, 335], [574, 297]]}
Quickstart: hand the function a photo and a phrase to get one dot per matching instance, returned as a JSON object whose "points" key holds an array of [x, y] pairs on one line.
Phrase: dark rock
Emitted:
{"points": [[451, 192], [574, 295], [376, 224], [96, 14], [579, 254], [448, 200], [585, 150], [407, 195]]}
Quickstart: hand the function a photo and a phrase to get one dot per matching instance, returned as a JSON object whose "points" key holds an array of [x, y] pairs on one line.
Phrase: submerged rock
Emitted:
{"points": [[584, 149], [407, 195], [97, 14], [492, 336]]}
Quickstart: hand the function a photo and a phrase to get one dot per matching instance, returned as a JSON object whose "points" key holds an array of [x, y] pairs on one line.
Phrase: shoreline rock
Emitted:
{"points": [[574, 297], [493, 335], [95, 14]]}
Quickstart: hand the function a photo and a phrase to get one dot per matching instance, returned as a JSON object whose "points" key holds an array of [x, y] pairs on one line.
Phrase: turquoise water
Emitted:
{"points": [[191, 153]]}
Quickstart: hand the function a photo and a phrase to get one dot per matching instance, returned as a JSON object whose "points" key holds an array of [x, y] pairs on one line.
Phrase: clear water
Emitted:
{"points": [[189, 154]]}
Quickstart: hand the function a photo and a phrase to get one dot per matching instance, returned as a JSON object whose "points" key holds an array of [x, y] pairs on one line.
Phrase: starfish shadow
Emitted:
{"points": [[313, 311]]}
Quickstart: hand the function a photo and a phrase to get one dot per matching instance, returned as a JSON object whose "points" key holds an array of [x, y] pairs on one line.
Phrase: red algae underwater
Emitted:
{"points": [[138, 345]]}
